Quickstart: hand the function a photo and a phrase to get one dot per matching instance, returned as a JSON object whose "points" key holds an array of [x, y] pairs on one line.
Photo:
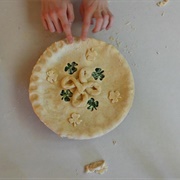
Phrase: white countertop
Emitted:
{"points": [[148, 140]]}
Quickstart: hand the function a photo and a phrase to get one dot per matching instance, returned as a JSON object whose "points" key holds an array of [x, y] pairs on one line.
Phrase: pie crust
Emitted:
{"points": [[81, 90]]}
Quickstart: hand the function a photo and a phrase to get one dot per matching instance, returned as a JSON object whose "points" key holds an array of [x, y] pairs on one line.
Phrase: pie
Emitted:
{"points": [[81, 90]]}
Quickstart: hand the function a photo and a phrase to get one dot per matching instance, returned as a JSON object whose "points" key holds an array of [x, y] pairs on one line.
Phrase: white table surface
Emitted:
{"points": [[148, 140]]}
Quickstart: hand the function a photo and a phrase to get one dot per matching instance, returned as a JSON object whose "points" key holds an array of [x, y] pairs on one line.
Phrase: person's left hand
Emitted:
{"points": [[98, 10]]}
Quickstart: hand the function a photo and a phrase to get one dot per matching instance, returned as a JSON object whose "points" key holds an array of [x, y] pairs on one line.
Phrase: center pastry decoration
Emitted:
{"points": [[79, 90]]}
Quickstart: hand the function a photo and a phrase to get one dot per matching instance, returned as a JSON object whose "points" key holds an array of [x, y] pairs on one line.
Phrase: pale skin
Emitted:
{"points": [[58, 16]]}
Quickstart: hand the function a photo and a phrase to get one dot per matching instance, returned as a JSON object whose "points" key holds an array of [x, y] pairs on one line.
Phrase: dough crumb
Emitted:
{"points": [[133, 28], [98, 167], [114, 142], [134, 64], [118, 43], [128, 23], [111, 38], [162, 14], [157, 52], [162, 3]]}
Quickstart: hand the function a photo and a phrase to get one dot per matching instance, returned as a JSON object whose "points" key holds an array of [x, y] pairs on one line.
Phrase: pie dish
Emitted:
{"points": [[81, 90]]}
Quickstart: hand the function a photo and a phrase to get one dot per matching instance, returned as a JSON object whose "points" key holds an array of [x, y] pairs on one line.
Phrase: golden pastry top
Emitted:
{"points": [[81, 90]]}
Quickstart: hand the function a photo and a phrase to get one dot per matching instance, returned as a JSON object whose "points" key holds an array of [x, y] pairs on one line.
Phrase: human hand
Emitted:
{"points": [[58, 15], [97, 9]]}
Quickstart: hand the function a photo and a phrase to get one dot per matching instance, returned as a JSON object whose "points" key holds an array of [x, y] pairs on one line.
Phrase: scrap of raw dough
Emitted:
{"points": [[162, 14], [162, 3], [98, 167], [128, 23], [111, 38]]}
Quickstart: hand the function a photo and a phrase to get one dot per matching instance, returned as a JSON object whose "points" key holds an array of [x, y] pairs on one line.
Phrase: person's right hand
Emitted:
{"points": [[58, 15]]}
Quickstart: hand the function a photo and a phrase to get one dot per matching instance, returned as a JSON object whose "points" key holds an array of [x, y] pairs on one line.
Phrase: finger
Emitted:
{"points": [[60, 24], [82, 12], [105, 20], [56, 22], [49, 23], [44, 23], [70, 12], [92, 21], [86, 24], [66, 26], [111, 20], [99, 22]]}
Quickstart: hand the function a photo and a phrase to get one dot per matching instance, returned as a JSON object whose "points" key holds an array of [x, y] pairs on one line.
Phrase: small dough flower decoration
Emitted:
{"points": [[91, 54], [114, 96], [74, 119], [52, 76]]}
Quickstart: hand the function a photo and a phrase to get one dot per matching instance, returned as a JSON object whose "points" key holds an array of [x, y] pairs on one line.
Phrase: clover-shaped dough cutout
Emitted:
{"points": [[91, 54], [114, 96], [52, 76], [74, 119]]}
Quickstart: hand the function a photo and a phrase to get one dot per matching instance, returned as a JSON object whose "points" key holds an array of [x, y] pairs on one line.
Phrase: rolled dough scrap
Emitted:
{"points": [[98, 167]]}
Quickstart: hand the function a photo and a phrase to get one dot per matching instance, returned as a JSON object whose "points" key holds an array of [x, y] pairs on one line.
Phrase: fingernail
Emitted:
{"points": [[83, 38], [70, 40], [94, 31]]}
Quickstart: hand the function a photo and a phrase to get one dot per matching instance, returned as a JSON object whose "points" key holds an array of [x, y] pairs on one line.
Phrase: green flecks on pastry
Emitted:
{"points": [[66, 95], [70, 68], [92, 104], [98, 74]]}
